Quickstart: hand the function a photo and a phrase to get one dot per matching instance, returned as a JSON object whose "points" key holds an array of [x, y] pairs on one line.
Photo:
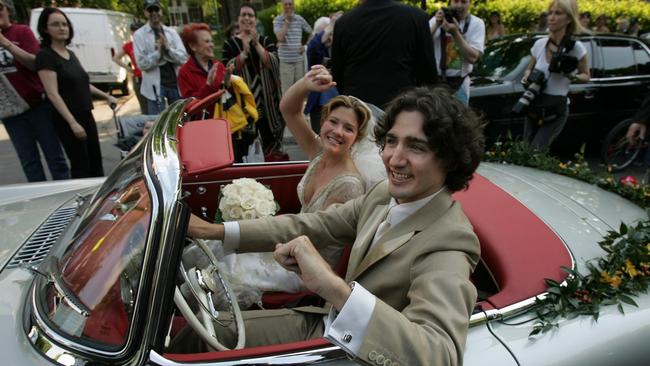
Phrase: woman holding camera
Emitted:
{"points": [[562, 61]]}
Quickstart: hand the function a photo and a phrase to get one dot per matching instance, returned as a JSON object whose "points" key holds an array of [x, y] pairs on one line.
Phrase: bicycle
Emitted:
{"points": [[616, 151]]}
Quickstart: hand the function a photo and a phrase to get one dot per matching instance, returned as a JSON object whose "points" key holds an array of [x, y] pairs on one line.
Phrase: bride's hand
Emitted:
{"points": [[318, 79]]}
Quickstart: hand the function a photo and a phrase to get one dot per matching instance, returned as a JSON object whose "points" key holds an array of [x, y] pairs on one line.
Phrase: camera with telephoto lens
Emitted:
{"points": [[536, 83], [450, 14]]}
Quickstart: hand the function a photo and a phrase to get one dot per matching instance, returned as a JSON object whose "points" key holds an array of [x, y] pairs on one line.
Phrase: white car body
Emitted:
{"points": [[578, 213]]}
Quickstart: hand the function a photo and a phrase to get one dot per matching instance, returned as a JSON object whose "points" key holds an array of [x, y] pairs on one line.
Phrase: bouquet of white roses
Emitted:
{"points": [[245, 199]]}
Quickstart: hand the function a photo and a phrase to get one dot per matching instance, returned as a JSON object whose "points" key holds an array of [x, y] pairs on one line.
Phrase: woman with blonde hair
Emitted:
{"points": [[549, 111], [331, 177]]}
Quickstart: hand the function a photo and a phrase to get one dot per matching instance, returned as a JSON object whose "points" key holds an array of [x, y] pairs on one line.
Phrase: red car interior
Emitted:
{"points": [[518, 250]]}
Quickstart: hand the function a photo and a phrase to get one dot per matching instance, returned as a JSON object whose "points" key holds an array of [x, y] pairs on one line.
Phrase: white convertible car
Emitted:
{"points": [[90, 268]]}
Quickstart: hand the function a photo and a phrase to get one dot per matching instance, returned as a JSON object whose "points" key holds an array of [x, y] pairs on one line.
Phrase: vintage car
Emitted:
{"points": [[620, 78], [90, 268]]}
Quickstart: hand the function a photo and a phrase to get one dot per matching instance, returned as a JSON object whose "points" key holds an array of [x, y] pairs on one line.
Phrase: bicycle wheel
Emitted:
{"points": [[616, 151]]}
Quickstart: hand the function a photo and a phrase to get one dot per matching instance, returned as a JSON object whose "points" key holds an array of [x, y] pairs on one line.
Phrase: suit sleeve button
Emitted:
{"points": [[372, 355], [380, 359]]}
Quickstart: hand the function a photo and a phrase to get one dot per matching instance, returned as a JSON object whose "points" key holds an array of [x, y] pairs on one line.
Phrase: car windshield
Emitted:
{"points": [[504, 58], [93, 286]]}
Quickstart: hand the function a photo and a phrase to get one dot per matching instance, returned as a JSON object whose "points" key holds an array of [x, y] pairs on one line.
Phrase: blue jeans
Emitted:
{"points": [[166, 93], [30, 129], [462, 96]]}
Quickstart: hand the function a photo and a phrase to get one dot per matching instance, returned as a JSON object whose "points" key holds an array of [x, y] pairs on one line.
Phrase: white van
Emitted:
{"points": [[98, 35]]}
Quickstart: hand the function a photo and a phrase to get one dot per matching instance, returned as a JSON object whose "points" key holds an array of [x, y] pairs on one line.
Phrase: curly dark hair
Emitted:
{"points": [[46, 39], [454, 132]]}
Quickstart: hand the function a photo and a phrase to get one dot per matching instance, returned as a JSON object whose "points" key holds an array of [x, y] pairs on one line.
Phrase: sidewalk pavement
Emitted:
{"points": [[12, 173]]}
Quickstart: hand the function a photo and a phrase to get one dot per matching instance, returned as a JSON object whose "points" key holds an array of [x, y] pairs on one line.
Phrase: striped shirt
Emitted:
{"points": [[289, 50]]}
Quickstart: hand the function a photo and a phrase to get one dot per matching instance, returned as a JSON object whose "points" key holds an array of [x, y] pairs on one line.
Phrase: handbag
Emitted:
{"points": [[11, 103], [547, 108]]}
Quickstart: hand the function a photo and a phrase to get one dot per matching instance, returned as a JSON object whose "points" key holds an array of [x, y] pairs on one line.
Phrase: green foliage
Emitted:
{"points": [[614, 279], [520, 153], [521, 15]]}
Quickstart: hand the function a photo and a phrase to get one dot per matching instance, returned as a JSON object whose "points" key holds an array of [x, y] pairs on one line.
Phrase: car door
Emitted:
{"points": [[622, 80]]}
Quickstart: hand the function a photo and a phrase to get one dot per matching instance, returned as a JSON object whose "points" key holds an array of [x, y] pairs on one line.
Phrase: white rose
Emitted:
{"points": [[235, 213], [227, 190], [247, 203], [265, 208], [249, 215], [232, 200], [267, 195]]}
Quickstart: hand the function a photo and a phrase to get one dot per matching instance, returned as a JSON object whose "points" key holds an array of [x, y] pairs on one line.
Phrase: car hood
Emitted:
{"points": [[579, 213], [24, 207]]}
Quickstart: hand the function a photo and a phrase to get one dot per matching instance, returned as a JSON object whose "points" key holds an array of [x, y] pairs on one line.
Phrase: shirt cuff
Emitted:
{"points": [[230, 236], [347, 329]]}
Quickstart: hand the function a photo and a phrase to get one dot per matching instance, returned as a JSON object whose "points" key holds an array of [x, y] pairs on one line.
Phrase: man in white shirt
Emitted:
{"points": [[159, 52], [406, 297], [458, 43]]}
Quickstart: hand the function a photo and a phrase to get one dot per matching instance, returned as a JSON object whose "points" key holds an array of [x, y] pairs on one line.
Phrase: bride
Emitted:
{"points": [[331, 177]]}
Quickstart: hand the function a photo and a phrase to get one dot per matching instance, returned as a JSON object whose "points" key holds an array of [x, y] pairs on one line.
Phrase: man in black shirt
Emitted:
{"points": [[380, 48], [159, 52]]}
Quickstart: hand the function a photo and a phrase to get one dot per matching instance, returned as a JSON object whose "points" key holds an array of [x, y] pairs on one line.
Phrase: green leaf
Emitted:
{"points": [[628, 300], [623, 229]]}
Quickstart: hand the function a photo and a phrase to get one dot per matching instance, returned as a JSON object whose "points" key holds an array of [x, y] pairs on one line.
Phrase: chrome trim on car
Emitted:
{"points": [[230, 180], [314, 356], [39, 244], [53, 351], [161, 173]]}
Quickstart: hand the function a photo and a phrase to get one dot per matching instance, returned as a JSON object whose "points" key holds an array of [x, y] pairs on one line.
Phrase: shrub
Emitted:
{"points": [[521, 15]]}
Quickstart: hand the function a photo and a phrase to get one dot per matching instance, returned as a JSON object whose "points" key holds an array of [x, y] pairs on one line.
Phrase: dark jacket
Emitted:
{"points": [[381, 48]]}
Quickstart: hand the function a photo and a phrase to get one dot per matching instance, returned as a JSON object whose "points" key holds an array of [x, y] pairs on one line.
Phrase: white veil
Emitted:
{"points": [[365, 152]]}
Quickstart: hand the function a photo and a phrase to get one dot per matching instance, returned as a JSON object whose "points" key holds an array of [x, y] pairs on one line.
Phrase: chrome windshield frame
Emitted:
{"points": [[161, 173]]}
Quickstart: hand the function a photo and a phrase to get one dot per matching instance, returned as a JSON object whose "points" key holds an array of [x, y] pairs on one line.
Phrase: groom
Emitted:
{"points": [[406, 296]]}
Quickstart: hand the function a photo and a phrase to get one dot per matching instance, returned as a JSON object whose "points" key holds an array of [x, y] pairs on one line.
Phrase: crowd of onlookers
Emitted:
{"points": [[629, 26], [255, 71]]}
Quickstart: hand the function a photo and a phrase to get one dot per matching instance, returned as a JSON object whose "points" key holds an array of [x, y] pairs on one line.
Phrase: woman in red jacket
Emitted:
{"points": [[201, 75]]}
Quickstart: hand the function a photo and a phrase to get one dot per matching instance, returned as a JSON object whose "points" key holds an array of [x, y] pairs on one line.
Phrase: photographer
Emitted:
{"points": [[458, 42], [562, 61]]}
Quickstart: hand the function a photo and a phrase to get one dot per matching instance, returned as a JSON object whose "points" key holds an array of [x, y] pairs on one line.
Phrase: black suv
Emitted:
{"points": [[620, 79]]}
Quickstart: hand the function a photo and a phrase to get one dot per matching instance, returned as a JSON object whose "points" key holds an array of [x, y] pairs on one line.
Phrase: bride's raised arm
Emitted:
{"points": [[317, 79]]}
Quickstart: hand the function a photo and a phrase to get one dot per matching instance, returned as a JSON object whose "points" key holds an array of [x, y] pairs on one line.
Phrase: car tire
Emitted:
{"points": [[616, 151]]}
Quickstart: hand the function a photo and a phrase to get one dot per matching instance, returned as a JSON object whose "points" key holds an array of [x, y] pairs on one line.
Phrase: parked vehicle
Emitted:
{"points": [[98, 35], [620, 79], [86, 264]]}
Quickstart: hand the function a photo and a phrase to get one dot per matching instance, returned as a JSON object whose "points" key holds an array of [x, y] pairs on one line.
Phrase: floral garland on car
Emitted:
{"points": [[614, 279], [518, 152], [245, 199]]}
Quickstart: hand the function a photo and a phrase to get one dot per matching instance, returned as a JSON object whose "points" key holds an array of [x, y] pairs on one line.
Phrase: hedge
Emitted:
{"points": [[517, 15], [520, 15]]}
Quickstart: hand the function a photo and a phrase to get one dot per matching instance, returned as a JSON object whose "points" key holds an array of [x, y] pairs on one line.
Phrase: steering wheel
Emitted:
{"points": [[200, 105], [201, 283]]}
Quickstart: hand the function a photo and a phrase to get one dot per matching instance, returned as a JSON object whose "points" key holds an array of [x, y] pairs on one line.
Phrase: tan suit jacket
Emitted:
{"points": [[418, 270]]}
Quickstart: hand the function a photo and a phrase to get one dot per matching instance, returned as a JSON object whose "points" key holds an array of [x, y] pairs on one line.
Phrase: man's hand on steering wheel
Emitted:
{"points": [[299, 255]]}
